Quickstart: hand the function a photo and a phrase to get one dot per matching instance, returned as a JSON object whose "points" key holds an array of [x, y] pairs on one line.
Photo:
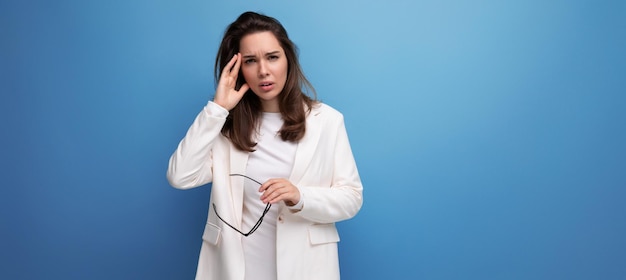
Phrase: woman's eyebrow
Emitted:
{"points": [[273, 53], [266, 54]]}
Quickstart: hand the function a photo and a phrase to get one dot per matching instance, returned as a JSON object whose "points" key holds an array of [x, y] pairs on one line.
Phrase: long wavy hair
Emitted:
{"points": [[243, 120]]}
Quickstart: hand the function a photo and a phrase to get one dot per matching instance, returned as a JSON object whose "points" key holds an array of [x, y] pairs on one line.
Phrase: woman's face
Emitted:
{"points": [[264, 67]]}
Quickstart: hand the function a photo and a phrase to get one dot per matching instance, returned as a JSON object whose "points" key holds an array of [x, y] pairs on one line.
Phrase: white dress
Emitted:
{"points": [[272, 158]]}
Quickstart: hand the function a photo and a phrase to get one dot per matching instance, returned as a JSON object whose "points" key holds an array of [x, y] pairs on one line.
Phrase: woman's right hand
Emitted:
{"points": [[226, 95]]}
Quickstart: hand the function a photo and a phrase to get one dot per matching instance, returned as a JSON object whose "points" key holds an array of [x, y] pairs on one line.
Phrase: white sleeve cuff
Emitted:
{"points": [[298, 206], [215, 110]]}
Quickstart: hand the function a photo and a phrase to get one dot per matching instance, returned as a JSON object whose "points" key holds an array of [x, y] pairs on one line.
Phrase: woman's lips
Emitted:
{"points": [[266, 86]]}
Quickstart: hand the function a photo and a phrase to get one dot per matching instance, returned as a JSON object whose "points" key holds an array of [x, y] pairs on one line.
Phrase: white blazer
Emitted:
{"points": [[324, 171]]}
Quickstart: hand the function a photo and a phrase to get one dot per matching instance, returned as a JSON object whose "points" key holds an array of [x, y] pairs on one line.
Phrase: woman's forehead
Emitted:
{"points": [[259, 43]]}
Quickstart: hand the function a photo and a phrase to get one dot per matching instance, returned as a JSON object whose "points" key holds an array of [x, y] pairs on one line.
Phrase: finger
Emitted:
{"points": [[269, 182], [244, 88], [235, 71], [267, 192], [274, 196], [226, 71], [278, 192], [271, 190], [286, 195], [276, 199]]}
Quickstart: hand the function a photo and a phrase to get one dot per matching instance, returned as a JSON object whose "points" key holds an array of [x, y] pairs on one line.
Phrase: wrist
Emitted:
{"points": [[295, 207]]}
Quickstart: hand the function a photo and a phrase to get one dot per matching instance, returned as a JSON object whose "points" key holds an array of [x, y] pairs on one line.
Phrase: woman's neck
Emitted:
{"points": [[270, 106]]}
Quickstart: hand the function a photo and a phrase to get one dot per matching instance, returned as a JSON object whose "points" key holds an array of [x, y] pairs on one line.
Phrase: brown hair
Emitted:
{"points": [[294, 104]]}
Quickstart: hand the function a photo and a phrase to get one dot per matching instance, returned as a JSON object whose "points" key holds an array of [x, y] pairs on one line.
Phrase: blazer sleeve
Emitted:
{"points": [[344, 198], [191, 164]]}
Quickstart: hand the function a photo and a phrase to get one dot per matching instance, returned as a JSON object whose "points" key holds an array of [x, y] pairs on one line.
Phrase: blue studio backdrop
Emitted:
{"points": [[490, 135]]}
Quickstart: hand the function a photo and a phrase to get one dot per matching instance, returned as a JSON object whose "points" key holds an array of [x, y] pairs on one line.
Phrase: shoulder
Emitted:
{"points": [[324, 119], [325, 111]]}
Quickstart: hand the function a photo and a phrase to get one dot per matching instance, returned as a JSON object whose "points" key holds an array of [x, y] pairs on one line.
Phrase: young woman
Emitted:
{"points": [[280, 163]]}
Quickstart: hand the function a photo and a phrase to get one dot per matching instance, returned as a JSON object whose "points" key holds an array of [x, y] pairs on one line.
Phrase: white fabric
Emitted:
{"points": [[324, 171], [272, 158]]}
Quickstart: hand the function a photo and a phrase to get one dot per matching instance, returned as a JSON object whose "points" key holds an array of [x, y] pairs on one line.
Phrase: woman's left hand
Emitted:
{"points": [[275, 190]]}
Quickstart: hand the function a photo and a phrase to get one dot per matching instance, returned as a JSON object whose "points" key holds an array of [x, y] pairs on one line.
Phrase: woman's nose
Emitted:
{"points": [[263, 70]]}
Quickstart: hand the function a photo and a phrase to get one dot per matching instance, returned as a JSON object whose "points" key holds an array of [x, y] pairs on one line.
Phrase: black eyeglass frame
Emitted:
{"points": [[257, 224]]}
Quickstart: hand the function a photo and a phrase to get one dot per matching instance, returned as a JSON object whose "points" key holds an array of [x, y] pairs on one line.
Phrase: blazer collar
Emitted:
{"points": [[238, 161], [306, 147]]}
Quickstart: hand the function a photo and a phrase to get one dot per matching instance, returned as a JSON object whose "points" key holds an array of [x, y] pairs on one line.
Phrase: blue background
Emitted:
{"points": [[490, 135]]}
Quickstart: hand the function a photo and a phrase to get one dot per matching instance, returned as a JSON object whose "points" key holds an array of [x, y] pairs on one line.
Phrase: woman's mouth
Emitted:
{"points": [[266, 86]]}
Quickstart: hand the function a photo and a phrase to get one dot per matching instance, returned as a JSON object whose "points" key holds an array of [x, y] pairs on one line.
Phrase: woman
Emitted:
{"points": [[280, 163]]}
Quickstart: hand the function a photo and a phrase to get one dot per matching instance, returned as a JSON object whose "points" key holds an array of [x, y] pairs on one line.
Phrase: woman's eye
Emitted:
{"points": [[249, 61], [272, 57]]}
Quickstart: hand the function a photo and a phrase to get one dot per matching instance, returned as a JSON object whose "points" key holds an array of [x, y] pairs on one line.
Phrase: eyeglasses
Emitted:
{"points": [[258, 223]]}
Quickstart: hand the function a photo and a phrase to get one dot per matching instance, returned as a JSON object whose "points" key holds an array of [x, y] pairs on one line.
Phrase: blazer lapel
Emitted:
{"points": [[238, 160], [306, 147]]}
